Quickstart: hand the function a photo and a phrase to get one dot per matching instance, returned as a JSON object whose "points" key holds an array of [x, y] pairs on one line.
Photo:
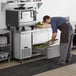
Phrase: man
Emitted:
{"points": [[66, 36]]}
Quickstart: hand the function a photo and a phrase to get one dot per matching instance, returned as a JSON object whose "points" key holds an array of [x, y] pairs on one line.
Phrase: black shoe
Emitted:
{"points": [[61, 63], [68, 60]]}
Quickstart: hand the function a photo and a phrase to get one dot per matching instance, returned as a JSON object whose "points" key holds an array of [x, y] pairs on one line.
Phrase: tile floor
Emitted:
{"points": [[69, 70]]}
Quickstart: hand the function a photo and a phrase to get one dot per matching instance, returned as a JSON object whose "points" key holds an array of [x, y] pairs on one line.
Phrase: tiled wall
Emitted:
{"points": [[58, 8]]}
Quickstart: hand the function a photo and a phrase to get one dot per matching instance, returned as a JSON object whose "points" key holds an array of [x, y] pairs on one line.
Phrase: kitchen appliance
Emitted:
{"points": [[43, 35], [24, 14], [53, 51], [22, 45], [20, 18]]}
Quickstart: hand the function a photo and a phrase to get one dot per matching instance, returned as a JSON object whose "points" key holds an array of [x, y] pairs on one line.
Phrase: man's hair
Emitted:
{"points": [[45, 18]]}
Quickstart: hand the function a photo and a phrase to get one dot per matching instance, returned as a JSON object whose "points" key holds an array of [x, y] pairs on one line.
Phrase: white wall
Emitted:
{"points": [[2, 17], [58, 8]]}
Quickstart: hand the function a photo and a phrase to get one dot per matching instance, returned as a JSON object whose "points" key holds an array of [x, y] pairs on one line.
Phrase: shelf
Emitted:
{"points": [[32, 2], [35, 55], [4, 31], [5, 45], [4, 59]]}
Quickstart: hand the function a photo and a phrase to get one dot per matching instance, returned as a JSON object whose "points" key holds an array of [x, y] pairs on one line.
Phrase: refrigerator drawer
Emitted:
{"points": [[53, 51]]}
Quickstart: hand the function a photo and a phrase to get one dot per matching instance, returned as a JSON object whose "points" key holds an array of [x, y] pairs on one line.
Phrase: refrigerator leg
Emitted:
{"points": [[20, 60], [9, 60]]}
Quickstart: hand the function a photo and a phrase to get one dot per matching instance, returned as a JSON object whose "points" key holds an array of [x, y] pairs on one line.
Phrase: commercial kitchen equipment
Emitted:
{"points": [[43, 35], [22, 45], [5, 45], [25, 40], [22, 21], [20, 18]]}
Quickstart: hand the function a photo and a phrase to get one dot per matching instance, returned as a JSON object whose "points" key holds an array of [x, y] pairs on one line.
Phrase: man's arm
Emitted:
{"points": [[53, 36], [54, 29]]}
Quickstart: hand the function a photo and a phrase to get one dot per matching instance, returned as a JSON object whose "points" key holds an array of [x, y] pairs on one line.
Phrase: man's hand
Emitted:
{"points": [[53, 38], [50, 42]]}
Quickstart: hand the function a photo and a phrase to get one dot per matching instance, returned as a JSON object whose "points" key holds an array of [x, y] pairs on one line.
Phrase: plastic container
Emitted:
{"points": [[3, 55]]}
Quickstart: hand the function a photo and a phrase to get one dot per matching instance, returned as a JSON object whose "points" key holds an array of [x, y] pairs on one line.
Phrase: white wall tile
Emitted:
{"points": [[58, 8]]}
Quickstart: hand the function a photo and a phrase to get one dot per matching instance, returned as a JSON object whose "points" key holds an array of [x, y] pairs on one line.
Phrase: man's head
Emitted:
{"points": [[47, 19]]}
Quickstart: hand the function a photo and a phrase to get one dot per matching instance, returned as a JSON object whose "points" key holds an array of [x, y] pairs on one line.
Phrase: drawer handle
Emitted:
{"points": [[25, 47]]}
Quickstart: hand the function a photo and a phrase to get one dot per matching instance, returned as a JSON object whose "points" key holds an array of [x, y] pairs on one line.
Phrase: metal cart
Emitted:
{"points": [[5, 46]]}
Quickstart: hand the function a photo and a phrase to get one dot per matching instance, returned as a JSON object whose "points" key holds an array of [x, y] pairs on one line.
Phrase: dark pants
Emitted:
{"points": [[65, 43]]}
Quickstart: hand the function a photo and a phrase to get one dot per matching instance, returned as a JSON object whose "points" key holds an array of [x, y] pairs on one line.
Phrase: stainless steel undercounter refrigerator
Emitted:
{"points": [[25, 41], [19, 20], [40, 43], [50, 51]]}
